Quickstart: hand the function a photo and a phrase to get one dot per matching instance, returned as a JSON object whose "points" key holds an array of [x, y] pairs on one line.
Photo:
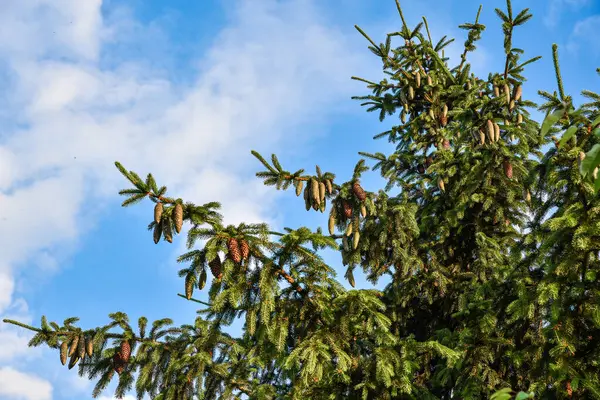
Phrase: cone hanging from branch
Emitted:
{"points": [[234, 250], [508, 169], [359, 191]]}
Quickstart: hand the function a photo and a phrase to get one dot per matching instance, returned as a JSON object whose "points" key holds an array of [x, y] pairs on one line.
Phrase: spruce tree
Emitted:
{"points": [[492, 249]]}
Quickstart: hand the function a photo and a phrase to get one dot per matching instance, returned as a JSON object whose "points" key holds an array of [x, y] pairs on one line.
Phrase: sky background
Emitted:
{"points": [[185, 89]]}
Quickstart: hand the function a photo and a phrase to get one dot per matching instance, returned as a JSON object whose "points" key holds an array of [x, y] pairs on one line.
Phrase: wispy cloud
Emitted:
{"points": [[556, 8], [276, 67], [585, 34]]}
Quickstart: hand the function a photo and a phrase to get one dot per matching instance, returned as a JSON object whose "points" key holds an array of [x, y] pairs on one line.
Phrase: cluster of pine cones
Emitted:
{"points": [[79, 346], [76, 347], [314, 194], [163, 225], [238, 250], [353, 228]]}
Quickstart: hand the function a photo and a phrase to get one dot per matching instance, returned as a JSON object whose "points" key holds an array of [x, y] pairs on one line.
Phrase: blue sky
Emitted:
{"points": [[185, 89]]}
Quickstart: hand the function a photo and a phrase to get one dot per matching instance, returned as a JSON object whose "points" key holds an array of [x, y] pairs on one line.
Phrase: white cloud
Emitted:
{"points": [[18, 385], [585, 34], [556, 9], [277, 67]]}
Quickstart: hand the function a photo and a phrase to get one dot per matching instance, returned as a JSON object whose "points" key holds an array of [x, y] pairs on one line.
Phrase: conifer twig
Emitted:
{"points": [[561, 90]]}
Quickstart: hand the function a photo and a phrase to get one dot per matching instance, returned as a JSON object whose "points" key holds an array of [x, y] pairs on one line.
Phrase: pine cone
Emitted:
{"points": [[216, 268], [189, 287], [73, 347], [349, 229], [429, 81], [528, 197], [441, 185], [118, 364], [443, 120], [358, 191], [73, 360], [508, 170], [81, 347], [64, 349], [496, 91], [519, 119], [418, 79], [428, 161], [158, 210], [355, 239], [329, 186], [157, 233], [166, 229], [178, 217], [490, 130], [321, 192], [234, 250], [363, 211], [331, 223], [202, 281], [481, 137], [445, 111], [496, 132], [89, 346], [411, 93], [421, 168], [446, 144], [299, 186], [125, 351], [307, 197], [507, 93], [244, 249], [518, 93], [581, 156], [347, 209], [314, 190]]}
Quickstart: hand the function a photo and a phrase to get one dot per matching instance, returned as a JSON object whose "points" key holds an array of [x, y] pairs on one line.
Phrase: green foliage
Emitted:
{"points": [[492, 248]]}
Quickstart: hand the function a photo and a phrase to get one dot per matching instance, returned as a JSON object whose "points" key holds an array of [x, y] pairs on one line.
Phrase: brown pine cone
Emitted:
{"points": [[73, 346], [64, 349], [216, 268], [73, 360], [347, 209], [178, 217], [89, 346], [359, 191], [158, 210], [189, 287], [245, 249], [234, 250], [443, 120], [118, 363], [508, 170], [125, 351]]}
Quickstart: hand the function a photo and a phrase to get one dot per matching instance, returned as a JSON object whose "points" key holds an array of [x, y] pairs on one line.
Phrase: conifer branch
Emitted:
{"points": [[195, 300], [561, 90], [22, 325], [427, 30]]}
